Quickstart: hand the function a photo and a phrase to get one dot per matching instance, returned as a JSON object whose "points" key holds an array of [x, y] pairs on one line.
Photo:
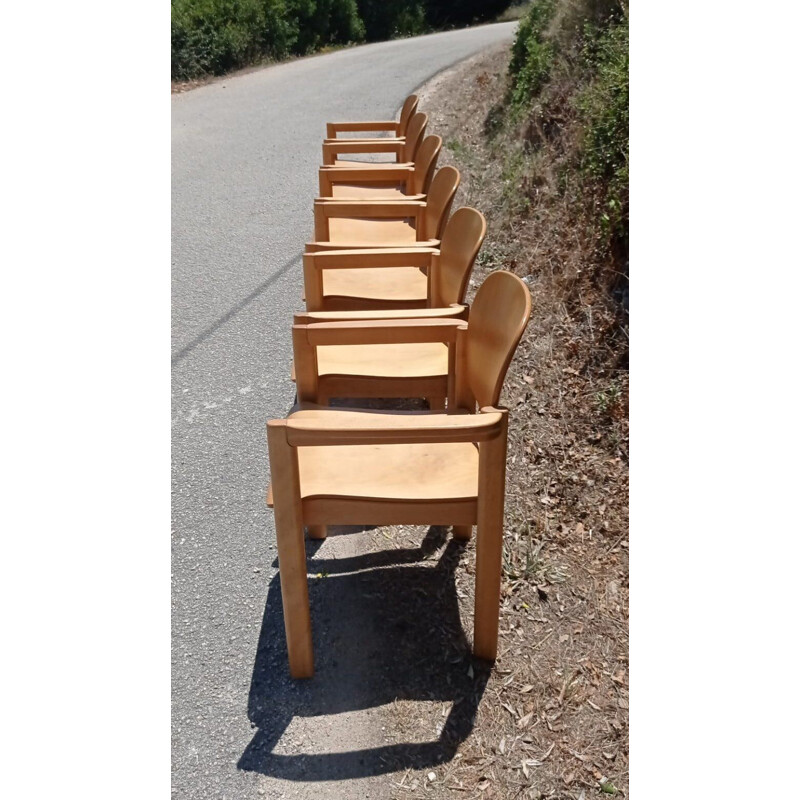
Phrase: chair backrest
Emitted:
{"points": [[416, 129], [440, 198], [497, 319], [406, 112], [461, 240], [425, 163]]}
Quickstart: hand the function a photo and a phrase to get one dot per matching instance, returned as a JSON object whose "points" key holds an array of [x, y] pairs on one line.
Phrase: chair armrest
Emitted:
{"points": [[361, 139], [380, 331], [334, 128], [454, 311], [370, 258], [321, 247], [392, 174], [331, 149], [372, 174], [343, 427], [367, 165], [371, 208], [422, 198]]}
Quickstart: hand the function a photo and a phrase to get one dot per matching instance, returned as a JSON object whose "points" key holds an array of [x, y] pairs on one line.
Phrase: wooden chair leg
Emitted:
{"points": [[491, 496], [317, 531], [291, 550], [436, 403], [462, 532]]}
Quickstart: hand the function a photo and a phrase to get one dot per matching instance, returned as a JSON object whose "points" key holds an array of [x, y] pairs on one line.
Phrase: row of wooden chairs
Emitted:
{"points": [[385, 282]]}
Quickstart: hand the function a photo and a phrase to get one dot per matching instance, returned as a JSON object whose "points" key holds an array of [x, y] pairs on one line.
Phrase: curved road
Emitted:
{"points": [[245, 153]]}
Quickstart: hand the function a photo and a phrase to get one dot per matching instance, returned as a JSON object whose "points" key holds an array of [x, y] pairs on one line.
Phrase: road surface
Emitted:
{"points": [[245, 153]]}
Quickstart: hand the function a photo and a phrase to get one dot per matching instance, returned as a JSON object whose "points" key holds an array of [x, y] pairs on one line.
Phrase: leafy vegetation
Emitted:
{"points": [[563, 125], [603, 114], [531, 53], [216, 36], [211, 37]]}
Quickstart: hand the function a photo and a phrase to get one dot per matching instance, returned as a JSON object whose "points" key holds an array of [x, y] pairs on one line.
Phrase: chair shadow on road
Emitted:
{"points": [[386, 627]]}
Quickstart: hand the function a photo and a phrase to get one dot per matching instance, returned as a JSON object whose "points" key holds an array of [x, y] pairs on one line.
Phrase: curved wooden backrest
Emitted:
{"points": [[440, 198], [414, 133], [461, 240], [425, 163], [497, 320], [406, 112]]}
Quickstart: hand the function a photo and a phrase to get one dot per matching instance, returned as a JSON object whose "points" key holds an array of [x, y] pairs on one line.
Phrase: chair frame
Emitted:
{"points": [[488, 429], [312, 387], [406, 175], [416, 210], [398, 127], [478, 372], [404, 149]]}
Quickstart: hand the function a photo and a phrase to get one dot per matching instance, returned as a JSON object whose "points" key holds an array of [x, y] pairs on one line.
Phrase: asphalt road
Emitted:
{"points": [[245, 153]]}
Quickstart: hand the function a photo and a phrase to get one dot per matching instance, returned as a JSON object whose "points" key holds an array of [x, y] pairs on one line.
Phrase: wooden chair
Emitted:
{"points": [[433, 287], [383, 181], [397, 128], [404, 149], [396, 278], [348, 224], [358, 467]]}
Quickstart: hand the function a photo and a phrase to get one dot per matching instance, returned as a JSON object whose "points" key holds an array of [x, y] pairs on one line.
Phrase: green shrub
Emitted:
{"points": [[449, 14], [603, 115], [323, 22], [390, 19], [531, 54], [567, 108], [215, 36]]}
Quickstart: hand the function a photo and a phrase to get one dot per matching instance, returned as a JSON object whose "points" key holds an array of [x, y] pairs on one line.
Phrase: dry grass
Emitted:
{"points": [[553, 721]]}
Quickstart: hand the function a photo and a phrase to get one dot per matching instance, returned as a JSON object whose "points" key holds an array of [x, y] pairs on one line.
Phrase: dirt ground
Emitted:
{"points": [[551, 718]]}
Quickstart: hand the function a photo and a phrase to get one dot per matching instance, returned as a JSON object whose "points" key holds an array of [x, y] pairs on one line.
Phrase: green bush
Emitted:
{"points": [[318, 23], [447, 14], [216, 36], [603, 114], [390, 19], [531, 54], [211, 37], [569, 85]]}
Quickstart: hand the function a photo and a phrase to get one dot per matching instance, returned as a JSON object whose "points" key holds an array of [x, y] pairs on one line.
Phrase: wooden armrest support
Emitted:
{"points": [[371, 208], [454, 311], [368, 125], [401, 140], [373, 174], [368, 258], [334, 148], [340, 427], [321, 247], [422, 198], [380, 331]]}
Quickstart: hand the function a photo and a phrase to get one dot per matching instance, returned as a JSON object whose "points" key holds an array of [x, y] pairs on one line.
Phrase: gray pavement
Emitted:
{"points": [[245, 154]]}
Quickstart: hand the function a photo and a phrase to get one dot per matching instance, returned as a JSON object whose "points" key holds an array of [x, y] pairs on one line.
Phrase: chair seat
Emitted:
{"points": [[427, 359], [410, 472], [385, 283], [348, 191], [372, 232]]}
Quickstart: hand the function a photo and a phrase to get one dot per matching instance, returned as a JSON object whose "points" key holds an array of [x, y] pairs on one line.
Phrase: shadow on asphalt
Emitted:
{"points": [[386, 627]]}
